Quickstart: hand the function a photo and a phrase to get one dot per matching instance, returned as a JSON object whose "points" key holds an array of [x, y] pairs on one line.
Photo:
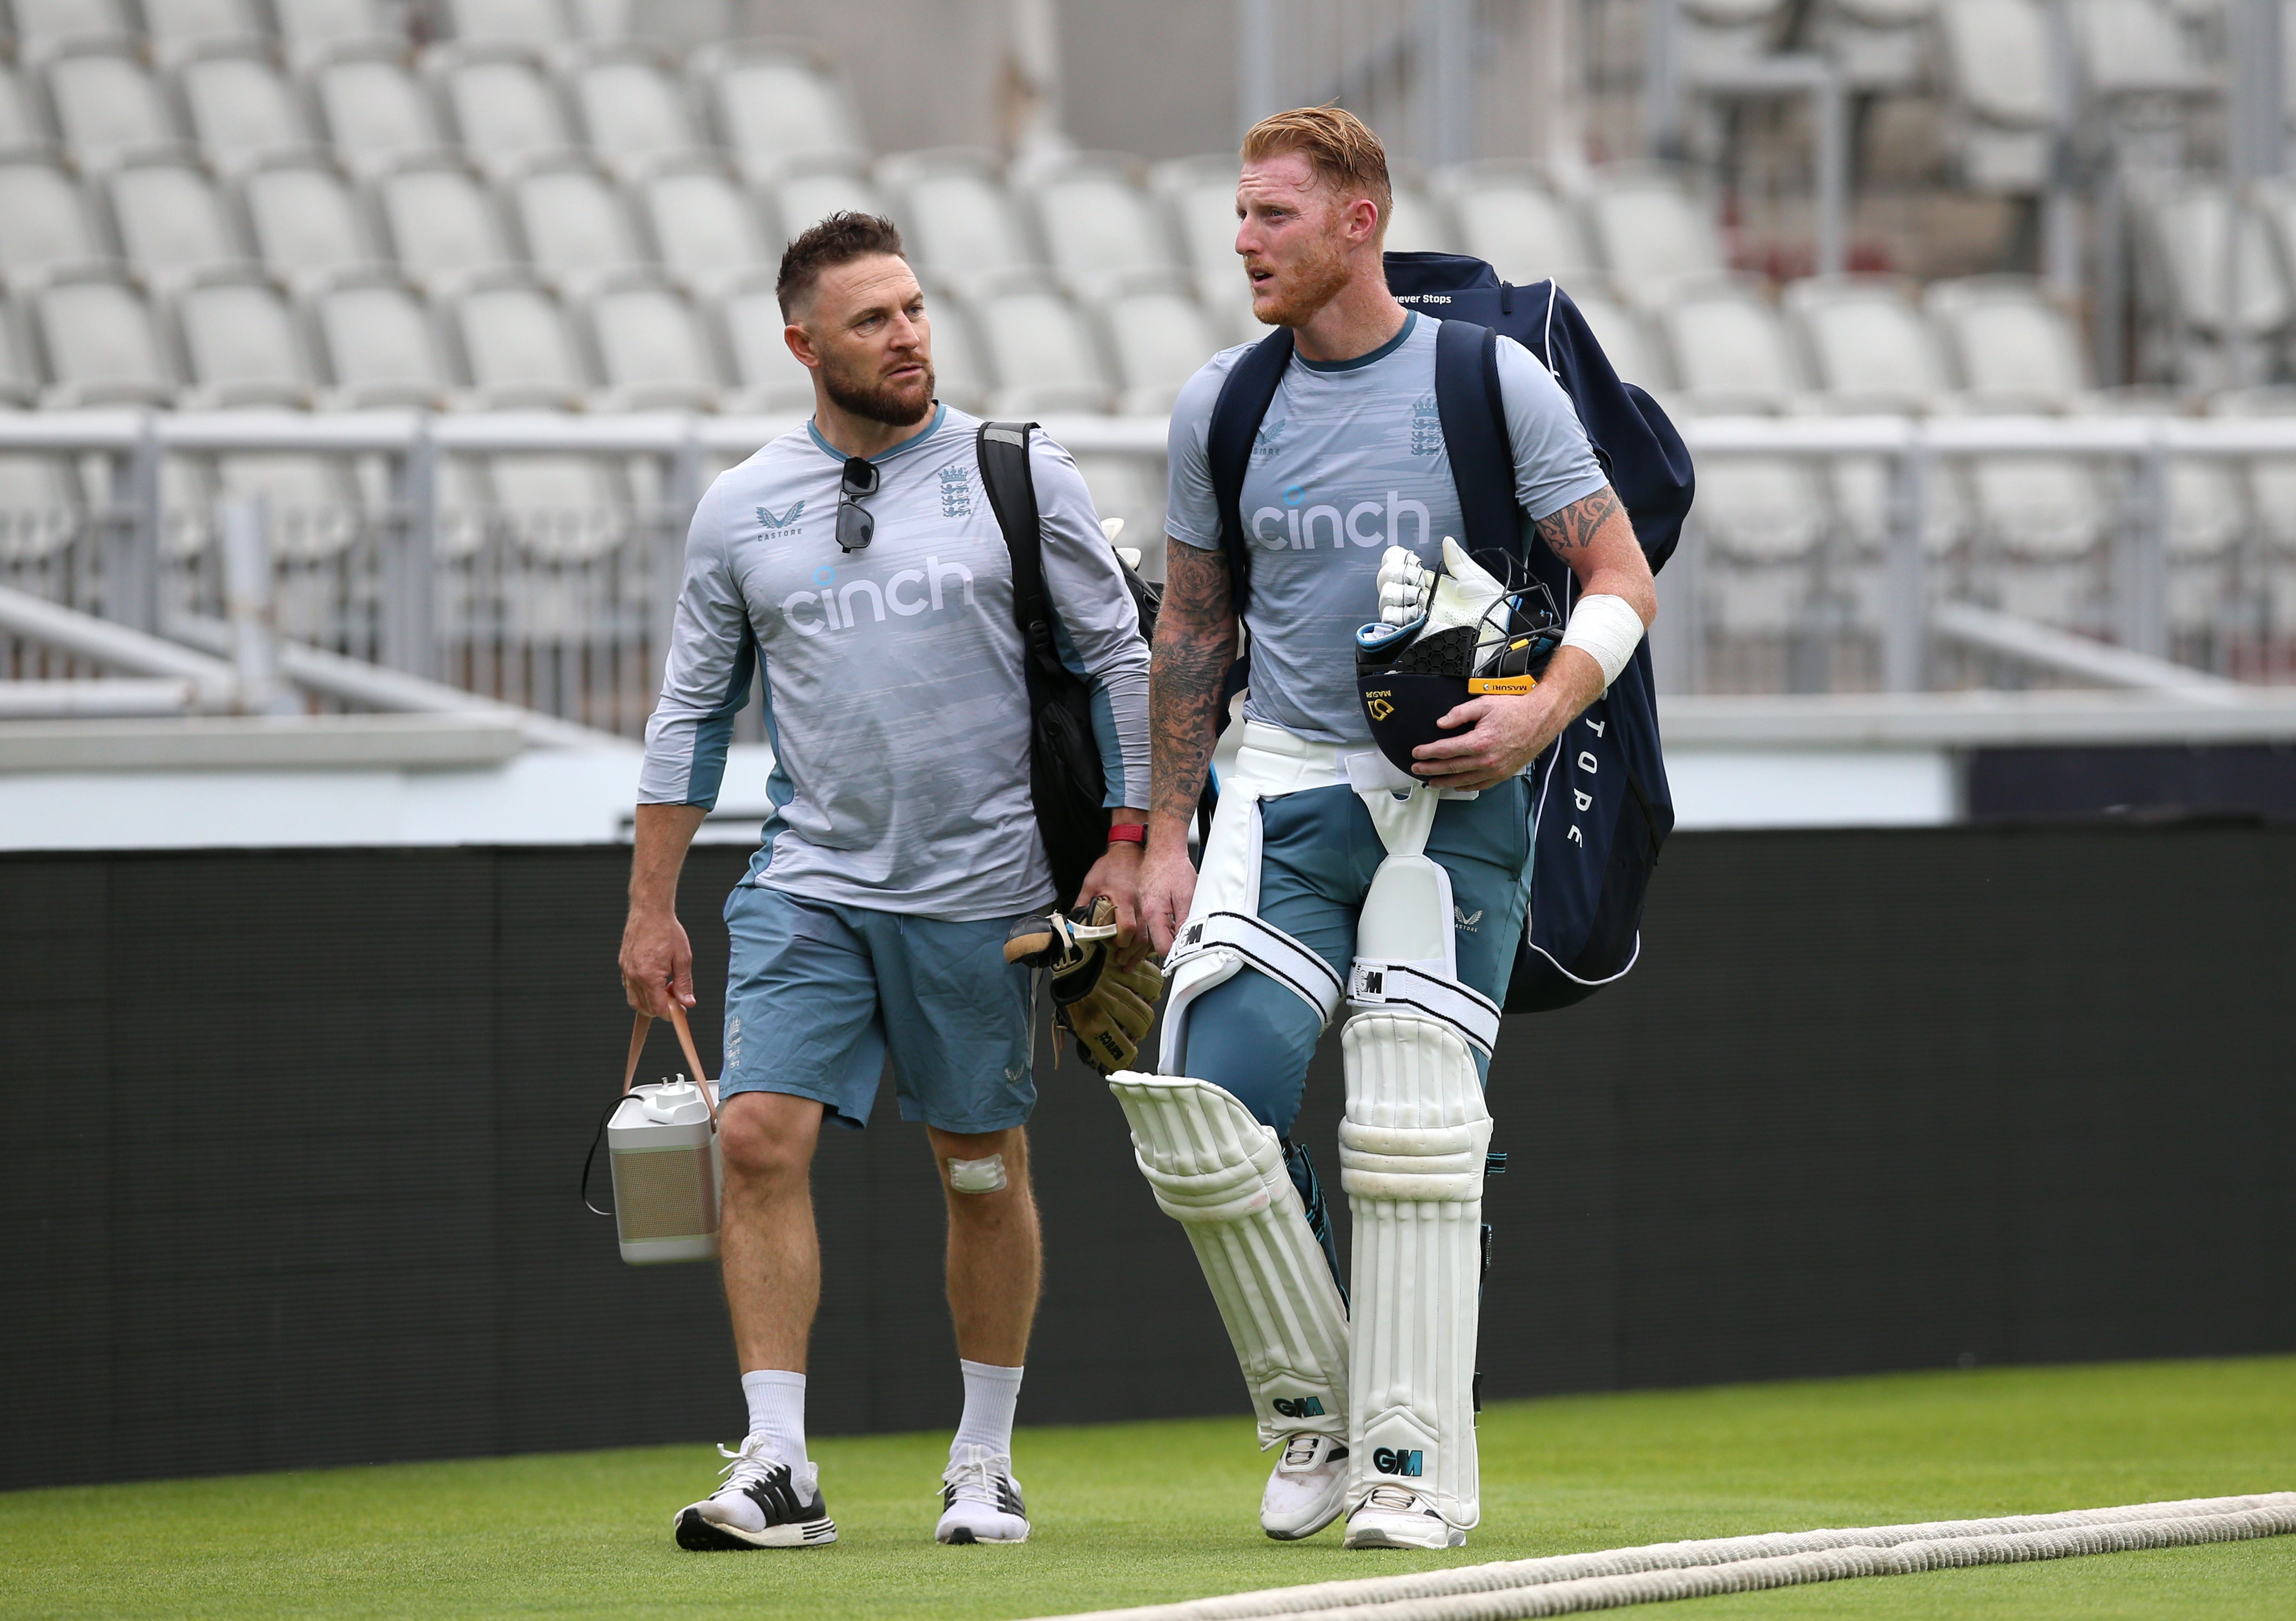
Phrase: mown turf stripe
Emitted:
{"points": [[1571, 1584]]}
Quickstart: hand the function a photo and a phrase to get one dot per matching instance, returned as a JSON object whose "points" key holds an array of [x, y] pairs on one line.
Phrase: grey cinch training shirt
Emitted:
{"points": [[1349, 462], [896, 701]]}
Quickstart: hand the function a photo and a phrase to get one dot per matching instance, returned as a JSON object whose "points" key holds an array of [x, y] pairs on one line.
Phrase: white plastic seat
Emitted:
{"points": [[100, 343], [771, 103], [240, 107], [1869, 346], [19, 123], [304, 221], [107, 107], [631, 105], [371, 108], [1097, 222], [811, 189], [1652, 232], [239, 342], [176, 26], [572, 219], [1507, 218], [1418, 223], [1159, 338], [961, 374], [770, 379], [2271, 479], [1039, 348], [1880, 45], [170, 220], [310, 29], [2133, 47], [42, 25], [518, 350], [955, 216], [704, 223], [536, 24], [1199, 196], [18, 386], [439, 222], [2189, 225], [1730, 350], [378, 342], [504, 104], [1998, 66], [1626, 340], [45, 226], [654, 352]]}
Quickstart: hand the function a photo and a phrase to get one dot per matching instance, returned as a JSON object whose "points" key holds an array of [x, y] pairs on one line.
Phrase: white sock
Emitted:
{"points": [[777, 1411], [990, 1395]]}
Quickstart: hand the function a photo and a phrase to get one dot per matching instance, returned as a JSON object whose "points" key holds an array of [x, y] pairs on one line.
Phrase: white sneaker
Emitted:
{"points": [[981, 1501], [1397, 1517], [1307, 1489], [764, 1504]]}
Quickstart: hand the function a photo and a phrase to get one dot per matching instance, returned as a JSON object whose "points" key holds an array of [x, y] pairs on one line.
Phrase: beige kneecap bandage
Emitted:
{"points": [[978, 1175]]}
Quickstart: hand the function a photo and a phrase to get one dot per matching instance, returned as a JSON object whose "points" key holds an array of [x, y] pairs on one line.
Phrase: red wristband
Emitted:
{"points": [[1127, 832]]}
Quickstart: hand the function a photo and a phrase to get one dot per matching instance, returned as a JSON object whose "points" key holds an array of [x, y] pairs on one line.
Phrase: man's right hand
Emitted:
{"points": [[657, 963], [1168, 889]]}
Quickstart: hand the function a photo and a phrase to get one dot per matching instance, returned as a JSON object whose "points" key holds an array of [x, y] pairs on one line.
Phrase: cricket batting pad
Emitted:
{"points": [[1410, 1159], [1220, 1175]]}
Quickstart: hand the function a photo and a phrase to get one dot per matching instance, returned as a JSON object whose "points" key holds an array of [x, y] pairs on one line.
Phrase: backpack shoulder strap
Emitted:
{"points": [[1475, 436], [1005, 475], [1244, 400]]}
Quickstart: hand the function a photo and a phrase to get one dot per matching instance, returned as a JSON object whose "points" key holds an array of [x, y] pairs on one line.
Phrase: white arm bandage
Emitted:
{"points": [[1607, 628]]}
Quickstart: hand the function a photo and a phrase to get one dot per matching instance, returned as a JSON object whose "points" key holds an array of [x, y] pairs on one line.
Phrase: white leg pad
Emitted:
{"points": [[1220, 1174], [1410, 1159]]}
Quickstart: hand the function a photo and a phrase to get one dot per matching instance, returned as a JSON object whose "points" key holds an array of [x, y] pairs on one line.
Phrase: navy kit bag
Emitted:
{"points": [[1603, 808]]}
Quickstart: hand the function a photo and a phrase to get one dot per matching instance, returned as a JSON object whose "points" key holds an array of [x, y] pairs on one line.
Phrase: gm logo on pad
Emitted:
{"points": [[1298, 1406], [1396, 1461]]}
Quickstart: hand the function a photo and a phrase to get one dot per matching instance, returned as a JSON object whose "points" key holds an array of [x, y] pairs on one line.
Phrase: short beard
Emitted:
{"points": [[889, 404], [1313, 283]]}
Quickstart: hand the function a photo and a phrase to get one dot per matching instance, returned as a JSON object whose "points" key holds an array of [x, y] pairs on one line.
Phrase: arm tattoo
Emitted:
{"points": [[1575, 526], [1195, 643]]}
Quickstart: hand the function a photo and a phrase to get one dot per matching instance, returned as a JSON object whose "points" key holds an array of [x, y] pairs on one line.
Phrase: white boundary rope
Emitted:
{"points": [[1568, 1583]]}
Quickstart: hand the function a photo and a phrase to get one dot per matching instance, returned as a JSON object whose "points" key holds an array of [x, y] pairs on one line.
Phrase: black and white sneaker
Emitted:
{"points": [[980, 1499], [1397, 1517], [764, 1504]]}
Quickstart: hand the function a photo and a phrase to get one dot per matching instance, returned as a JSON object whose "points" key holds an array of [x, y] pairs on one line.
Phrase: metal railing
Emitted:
{"points": [[534, 559]]}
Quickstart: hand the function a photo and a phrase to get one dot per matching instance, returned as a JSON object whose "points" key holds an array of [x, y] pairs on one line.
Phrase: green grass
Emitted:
{"points": [[1138, 1512]]}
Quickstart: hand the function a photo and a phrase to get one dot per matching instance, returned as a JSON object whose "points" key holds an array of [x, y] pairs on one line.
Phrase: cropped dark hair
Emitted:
{"points": [[838, 239]]}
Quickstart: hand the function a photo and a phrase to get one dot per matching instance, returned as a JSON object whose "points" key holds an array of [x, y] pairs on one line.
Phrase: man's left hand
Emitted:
{"points": [[1499, 735]]}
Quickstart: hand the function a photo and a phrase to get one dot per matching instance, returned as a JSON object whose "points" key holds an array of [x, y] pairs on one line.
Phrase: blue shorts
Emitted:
{"points": [[1318, 851], [818, 992]]}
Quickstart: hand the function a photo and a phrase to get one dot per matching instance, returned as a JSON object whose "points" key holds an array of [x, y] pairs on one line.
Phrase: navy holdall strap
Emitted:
{"points": [[1236, 415]]}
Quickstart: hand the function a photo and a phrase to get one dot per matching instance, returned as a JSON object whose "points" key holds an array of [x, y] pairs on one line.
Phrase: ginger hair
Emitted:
{"points": [[1339, 146]]}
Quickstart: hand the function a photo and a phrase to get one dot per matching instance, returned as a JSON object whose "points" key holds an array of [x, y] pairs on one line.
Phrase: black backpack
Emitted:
{"points": [[1066, 778], [1602, 806]]}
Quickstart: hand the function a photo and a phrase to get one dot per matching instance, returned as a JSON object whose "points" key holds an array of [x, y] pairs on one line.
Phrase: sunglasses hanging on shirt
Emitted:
{"points": [[855, 526]]}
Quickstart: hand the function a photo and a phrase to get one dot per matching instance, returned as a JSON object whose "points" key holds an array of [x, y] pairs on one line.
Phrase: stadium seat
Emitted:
{"points": [[2187, 228], [1508, 218], [19, 122], [1200, 195], [956, 217], [503, 103], [177, 26], [44, 26], [517, 349], [1879, 44], [771, 102], [377, 343], [574, 222], [703, 222], [2134, 47], [1418, 222], [2271, 479], [1096, 220], [1038, 347], [1717, 31], [1626, 340], [240, 106], [309, 29], [107, 107], [654, 352], [371, 108], [1158, 335], [44, 221], [539, 25], [1996, 62], [304, 220], [19, 387], [770, 379], [961, 374], [169, 220], [1132, 489], [42, 505], [439, 222], [632, 107], [1650, 232], [239, 344], [811, 189], [98, 343]]}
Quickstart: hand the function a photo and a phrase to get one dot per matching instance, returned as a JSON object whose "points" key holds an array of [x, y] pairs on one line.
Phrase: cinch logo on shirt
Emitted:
{"points": [[908, 593], [781, 523], [1290, 528]]}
